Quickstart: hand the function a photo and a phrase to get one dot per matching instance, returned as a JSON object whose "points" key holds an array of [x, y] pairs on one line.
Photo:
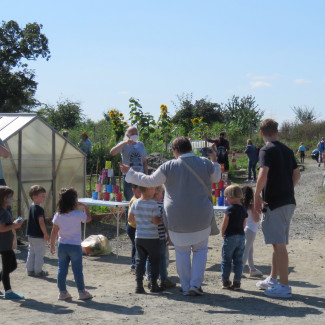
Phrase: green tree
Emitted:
{"points": [[244, 112], [304, 114], [203, 109], [17, 46], [66, 115]]}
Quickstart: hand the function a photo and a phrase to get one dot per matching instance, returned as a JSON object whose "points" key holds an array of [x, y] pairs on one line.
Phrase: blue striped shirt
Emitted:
{"points": [[144, 211]]}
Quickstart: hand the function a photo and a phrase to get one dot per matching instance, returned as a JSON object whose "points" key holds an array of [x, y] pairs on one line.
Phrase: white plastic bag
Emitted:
{"points": [[96, 245]]}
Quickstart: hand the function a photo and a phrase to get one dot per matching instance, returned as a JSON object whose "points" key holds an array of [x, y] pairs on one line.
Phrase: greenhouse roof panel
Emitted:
{"points": [[10, 124]]}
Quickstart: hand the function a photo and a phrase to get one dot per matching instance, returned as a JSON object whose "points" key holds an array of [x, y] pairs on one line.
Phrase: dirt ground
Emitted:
{"points": [[110, 281]]}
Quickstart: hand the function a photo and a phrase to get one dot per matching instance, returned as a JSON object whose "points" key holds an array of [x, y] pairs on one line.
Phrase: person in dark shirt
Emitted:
{"points": [[277, 177], [36, 232], [222, 148], [7, 237], [233, 234], [250, 151]]}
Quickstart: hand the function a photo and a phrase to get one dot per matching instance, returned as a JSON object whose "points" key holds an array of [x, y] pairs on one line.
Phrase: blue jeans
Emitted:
{"points": [[162, 262], [128, 194], [131, 233], [232, 251], [252, 168], [67, 253]]}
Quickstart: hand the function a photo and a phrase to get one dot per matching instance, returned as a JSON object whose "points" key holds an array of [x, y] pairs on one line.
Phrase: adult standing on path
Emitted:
{"points": [[188, 207], [134, 155], [250, 151], [277, 177], [321, 149], [85, 143], [222, 148]]}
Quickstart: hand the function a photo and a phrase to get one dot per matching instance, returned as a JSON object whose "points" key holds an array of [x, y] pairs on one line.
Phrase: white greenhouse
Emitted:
{"points": [[39, 155]]}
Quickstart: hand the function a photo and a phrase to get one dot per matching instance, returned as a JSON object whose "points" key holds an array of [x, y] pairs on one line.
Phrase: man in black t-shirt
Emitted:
{"points": [[222, 148], [278, 175]]}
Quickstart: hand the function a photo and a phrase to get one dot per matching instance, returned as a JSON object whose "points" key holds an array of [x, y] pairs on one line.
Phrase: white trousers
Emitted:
{"points": [[249, 248], [36, 252], [191, 273]]}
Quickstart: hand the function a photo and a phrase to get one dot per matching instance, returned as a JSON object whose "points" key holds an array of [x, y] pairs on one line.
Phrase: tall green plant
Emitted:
{"points": [[143, 121]]}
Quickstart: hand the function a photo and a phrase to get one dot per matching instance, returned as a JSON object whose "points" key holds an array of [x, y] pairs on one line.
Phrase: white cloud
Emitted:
{"points": [[123, 92], [259, 84], [302, 81]]}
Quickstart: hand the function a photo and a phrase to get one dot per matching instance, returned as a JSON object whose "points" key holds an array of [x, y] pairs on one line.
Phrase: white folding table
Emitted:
{"points": [[219, 208], [119, 206]]}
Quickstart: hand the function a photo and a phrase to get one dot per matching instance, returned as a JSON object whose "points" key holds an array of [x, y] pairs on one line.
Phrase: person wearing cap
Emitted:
{"points": [[85, 143]]}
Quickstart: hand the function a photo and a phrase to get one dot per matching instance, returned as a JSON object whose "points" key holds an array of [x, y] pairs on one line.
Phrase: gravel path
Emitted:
{"points": [[115, 302]]}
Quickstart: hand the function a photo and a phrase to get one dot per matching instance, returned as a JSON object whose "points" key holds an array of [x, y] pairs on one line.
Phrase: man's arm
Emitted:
{"points": [[261, 182], [296, 176], [117, 149], [4, 151]]}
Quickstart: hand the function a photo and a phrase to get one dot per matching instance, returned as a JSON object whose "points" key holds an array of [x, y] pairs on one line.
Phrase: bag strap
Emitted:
{"points": [[196, 176]]}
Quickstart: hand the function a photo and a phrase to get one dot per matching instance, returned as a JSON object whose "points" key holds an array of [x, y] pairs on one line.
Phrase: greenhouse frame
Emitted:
{"points": [[39, 155]]}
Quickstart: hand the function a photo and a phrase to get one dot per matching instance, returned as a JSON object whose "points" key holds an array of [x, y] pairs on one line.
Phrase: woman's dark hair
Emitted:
{"points": [[182, 145], [248, 197], [67, 200], [5, 192]]}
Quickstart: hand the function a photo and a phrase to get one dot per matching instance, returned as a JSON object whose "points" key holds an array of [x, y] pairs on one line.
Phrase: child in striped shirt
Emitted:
{"points": [[145, 212]]}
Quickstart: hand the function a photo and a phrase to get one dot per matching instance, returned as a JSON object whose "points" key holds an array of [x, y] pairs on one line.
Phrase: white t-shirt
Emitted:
{"points": [[70, 226], [250, 223]]}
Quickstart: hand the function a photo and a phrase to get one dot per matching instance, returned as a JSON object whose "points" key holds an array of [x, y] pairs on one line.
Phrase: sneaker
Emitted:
{"points": [[186, 293], [20, 243], [255, 273], [236, 285], [42, 273], [226, 284], [13, 295], [132, 266], [85, 295], [268, 283], [318, 165], [279, 291], [140, 290], [30, 273], [247, 180], [156, 288], [167, 284], [1, 293], [195, 291], [64, 296]]}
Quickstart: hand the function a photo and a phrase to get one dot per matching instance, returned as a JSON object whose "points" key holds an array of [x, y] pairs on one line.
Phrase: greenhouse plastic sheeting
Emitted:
{"points": [[38, 163]]}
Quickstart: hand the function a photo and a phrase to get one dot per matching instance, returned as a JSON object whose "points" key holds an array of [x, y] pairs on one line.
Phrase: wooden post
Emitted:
{"points": [[53, 172], [19, 171]]}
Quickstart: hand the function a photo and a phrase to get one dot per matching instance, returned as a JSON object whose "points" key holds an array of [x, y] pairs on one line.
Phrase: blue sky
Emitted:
{"points": [[104, 52]]}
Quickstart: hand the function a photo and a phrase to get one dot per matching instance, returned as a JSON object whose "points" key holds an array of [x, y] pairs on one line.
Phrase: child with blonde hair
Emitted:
{"points": [[146, 213], [232, 231]]}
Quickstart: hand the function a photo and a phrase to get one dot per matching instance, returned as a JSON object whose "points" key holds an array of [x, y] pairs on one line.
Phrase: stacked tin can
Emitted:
{"points": [[106, 188]]}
